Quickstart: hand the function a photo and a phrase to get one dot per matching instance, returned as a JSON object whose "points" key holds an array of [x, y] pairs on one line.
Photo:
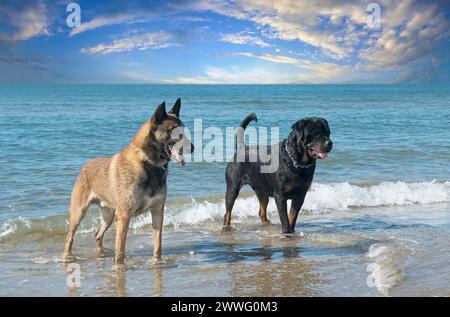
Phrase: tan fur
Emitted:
{"points": [[114, 184]]}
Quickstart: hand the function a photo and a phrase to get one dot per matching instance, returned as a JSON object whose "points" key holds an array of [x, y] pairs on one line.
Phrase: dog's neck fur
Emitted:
{"points": [[148, 150], [301, 156]]}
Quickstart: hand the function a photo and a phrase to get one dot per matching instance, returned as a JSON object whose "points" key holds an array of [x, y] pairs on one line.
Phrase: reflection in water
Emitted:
{"points": [[121, 282], [277, 272], [253, 262], [158, 278]]}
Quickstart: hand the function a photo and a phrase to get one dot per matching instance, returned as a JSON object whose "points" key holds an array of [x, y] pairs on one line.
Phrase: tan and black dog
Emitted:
{"points": [[130, 182]]}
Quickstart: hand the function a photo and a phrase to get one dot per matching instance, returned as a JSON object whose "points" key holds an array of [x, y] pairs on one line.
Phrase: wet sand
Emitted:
{"points": [[384, 251]]}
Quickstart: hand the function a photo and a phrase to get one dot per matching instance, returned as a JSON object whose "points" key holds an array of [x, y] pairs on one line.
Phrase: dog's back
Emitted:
{"points": [[93, 181]]}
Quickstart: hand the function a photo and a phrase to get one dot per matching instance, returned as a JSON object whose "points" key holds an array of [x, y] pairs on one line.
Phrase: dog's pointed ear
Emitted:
{"points": [[299, 126], [176, 108], [327, 126], [160, 113]]}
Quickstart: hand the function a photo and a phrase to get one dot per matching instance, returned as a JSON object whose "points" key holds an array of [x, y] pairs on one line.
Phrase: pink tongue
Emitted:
{"points": [[178, 158], [323, 156]]}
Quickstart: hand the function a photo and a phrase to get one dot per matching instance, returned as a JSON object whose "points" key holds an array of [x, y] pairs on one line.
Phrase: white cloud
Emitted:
{"points": [[291, 20], [241, 39], [235, 75], [411, 29], [411, 38], [152, 40], [269, 57], [105, 20], [28, 22], [321, 69], [304, 72]]}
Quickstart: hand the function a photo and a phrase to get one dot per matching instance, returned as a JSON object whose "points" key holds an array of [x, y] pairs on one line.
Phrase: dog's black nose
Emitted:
{"points": [[328, 145]]}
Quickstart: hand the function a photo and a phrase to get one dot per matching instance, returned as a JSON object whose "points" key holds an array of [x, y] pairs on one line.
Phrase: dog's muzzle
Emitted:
{"points": [[322, 151], [175, 151]]}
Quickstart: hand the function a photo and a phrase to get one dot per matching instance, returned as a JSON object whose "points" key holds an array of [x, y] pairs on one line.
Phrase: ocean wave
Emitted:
{"points": [[322, 198]]}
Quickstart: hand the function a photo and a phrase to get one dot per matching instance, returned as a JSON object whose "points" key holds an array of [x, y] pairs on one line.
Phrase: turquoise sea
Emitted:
{"points": [[378, 202]]}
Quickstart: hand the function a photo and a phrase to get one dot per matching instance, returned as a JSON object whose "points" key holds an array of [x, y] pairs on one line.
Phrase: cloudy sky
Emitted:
{"points": [[211, 41]]}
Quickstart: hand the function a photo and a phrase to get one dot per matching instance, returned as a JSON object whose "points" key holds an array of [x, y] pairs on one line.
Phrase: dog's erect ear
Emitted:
{"points": [[327, 127], [299, 126], [176, 108], [160, 113]]}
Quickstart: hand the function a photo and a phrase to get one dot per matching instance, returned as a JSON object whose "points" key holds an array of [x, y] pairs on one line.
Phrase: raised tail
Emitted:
{"points": [[240, 131]]}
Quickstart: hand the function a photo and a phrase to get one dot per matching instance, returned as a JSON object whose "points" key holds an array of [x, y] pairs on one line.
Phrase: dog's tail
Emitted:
{"points": [[240, 131]]}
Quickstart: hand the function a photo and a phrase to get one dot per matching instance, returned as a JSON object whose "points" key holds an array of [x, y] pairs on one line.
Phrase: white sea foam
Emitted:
{"points": [[384, 266], [7, 228], [10, 227], [322, 198]]}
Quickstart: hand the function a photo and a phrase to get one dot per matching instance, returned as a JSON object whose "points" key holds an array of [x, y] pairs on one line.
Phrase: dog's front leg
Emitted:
{"points": [[281, 203], [296, 205], [122, 223], [157, 224]]}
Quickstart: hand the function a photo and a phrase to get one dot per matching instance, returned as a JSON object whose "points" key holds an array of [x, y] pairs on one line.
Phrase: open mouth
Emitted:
{"points": [[317, 154], [175, 155]]}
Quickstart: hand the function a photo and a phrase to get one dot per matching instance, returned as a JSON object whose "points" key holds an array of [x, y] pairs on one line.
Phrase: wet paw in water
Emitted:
{"points": [[291, 236], [226, 229], [163, 263], [103, 253], [67, 258]]}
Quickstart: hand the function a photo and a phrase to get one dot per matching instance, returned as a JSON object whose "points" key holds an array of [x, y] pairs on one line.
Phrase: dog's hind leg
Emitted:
{"points": [[107, 219], [263, 202], [79, 204], [230, 197]]}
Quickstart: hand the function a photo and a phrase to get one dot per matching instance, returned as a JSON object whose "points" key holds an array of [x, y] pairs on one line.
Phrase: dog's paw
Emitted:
{"points": [[119, 267], [228, 229], [67, 258], [288, 236]]}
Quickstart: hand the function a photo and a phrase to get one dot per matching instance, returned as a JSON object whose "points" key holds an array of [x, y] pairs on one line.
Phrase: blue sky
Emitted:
{"points": [[240, 41]]}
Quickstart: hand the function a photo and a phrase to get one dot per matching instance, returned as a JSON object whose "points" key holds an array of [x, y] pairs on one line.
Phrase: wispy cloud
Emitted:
{"points": [[241, 39], [152, 40], [234, 75], [309, 71], [324, 41], [269, 57], [26, 21], [410, 29], [106, 20], [25, 59], [420, 31]]}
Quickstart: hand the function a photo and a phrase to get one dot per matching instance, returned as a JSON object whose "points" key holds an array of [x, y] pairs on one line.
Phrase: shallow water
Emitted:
{"points": [[365, 252], [375, 223]]}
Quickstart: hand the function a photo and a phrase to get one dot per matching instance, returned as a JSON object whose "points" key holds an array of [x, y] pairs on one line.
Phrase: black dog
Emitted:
{"points": [[308, 141]]}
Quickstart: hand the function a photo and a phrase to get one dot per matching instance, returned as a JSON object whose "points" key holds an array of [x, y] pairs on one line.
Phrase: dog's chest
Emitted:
{"points": [[146, 201], [152, 179], [151, 190], [295, 186]]}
